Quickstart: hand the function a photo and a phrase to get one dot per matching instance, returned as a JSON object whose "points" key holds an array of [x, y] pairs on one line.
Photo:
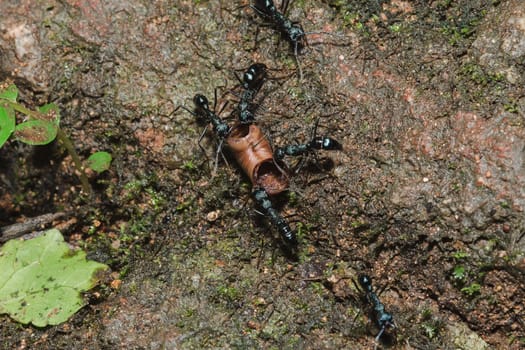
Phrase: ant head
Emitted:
{"points": [[386, 320], [201, 102], [297, 37], [365, 281], [325, 143], [265, 6], [254, 75], [329, 143]]}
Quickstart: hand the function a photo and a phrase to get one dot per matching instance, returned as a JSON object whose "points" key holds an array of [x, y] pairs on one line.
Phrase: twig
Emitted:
{"points": [[30, 225]]}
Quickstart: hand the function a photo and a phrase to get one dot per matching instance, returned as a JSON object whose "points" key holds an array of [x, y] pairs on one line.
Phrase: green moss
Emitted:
{"points": [[299, 4], [318, 288], [292, 198], [460, 255], [395, 28], [157, 199], [511, 107]]}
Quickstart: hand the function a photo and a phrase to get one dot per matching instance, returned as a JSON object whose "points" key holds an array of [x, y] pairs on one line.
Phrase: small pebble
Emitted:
{"points": [[213, 215]]}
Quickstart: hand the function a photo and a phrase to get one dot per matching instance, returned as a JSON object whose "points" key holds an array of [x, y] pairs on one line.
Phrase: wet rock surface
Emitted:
{"points": [[427, 196]]}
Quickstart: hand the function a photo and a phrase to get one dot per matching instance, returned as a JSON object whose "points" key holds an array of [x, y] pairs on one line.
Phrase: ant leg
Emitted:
{"points": [[238, 78], [378, 336], [202, 148], [284, 6], [314, 130], [257, 30], [200, 139], [219, 150], [296, 54], [215, 100], [203, 132]]}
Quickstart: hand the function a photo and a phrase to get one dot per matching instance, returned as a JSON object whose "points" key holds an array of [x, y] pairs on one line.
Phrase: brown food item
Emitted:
{"points": [[255, 156]]}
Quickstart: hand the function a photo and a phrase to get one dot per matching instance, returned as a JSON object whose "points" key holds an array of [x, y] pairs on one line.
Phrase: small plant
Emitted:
{"points": [[460, 276], [41, 127], [511, 107], [460, 255], [293, 198], [395, 28], [426, 314], [189, 165], [472, 289], [429, 329], [303, 229], [459, 273]]}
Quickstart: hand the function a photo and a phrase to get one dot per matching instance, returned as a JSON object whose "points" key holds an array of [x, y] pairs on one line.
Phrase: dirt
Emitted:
{"points": [[427, 196]]}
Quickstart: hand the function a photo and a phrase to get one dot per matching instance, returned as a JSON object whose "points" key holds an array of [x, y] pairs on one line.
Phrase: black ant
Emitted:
{"points": [[263, 200], [384, 320], [251, 83], [202, 110], [315, 143], [293, 32]]}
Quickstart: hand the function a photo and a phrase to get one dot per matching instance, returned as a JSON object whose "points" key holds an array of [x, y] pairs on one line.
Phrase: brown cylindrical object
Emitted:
{"points": [[255, 156]]}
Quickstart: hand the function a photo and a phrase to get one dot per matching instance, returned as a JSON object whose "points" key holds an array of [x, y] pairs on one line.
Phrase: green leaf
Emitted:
{"points": [[459, 272], [99, 161], [7, 123], [36, 132], [41, 279], [51, 112], [10, 94]]}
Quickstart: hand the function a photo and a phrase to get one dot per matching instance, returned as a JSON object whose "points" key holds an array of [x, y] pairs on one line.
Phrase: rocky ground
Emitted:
{"points": [[426, 197]]}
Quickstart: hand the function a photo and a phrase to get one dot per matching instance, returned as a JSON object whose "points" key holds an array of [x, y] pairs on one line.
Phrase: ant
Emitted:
{"points": [[263, 200], [202, 110], [251, 83], [293, 32], [384, 320], [253, 152], [315, 143]]}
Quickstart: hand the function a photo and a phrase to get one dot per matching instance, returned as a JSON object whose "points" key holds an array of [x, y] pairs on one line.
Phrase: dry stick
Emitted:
{"points": [[30, 225], [62, 137]]}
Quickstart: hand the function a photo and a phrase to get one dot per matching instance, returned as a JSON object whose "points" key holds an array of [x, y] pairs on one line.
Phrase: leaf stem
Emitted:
{"points": [[66, 141]]}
